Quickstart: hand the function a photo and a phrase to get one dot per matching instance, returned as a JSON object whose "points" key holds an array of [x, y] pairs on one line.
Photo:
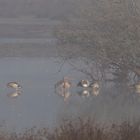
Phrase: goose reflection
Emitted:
{"points": [[14, 85], [84, 93], [14, 94], [66, 96], [95, 92]]}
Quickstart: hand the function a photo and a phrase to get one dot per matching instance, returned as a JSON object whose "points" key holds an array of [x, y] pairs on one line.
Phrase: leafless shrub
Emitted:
{"points": [[79, 130]]}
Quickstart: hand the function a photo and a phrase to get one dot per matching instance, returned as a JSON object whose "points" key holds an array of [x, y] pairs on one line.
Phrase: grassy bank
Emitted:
{"points": [[79, 130]]}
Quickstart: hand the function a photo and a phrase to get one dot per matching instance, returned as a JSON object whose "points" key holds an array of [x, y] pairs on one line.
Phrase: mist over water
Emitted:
{"points": [[41, 42], [39, 105], [35, 9]]}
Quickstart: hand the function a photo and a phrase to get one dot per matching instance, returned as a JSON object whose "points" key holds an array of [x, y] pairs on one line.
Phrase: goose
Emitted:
{"points": [[14, 85], [95, 88], [95, 85], [136, 87], [65, 83], [62, 87], [84, 83]]}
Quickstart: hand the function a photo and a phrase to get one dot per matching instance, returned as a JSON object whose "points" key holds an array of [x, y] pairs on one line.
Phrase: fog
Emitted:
{"points": [[103, 34], [64, 8], [35, 8]]}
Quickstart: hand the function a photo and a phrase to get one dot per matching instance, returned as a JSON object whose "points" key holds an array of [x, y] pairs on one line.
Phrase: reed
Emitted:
{"points": [[79, 130]]}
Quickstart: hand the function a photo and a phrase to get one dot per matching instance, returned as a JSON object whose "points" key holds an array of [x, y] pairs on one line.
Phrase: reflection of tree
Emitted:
{"points": [[91, 69]]}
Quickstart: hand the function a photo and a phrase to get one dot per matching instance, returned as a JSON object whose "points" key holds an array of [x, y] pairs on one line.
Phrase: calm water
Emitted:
{"points": [[30, 54], [40, 105]]}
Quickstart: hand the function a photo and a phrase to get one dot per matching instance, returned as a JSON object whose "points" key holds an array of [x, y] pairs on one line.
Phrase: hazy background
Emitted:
{"points": [[31, 23], [105, 32], [60, 8], [35, 8]]}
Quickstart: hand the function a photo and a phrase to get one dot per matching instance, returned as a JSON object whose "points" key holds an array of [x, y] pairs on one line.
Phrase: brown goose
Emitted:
{"points": [[14, 85], [95, 88], [62, 87], [136, 87], [65, 83]]}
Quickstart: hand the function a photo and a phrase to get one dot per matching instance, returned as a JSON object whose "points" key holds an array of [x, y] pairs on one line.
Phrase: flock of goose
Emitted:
{"points": [[62, 88], [88, 88]]}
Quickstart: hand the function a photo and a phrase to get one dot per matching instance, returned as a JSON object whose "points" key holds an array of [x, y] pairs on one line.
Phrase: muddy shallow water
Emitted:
{"points": [[38, 103]]}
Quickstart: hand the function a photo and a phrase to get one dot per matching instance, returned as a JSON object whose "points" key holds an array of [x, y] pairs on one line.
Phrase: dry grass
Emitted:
{"points": [[79, 130]]}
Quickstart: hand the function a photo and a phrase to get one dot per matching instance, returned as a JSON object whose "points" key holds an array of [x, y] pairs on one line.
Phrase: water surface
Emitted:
{"points": [[39, 104]]}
